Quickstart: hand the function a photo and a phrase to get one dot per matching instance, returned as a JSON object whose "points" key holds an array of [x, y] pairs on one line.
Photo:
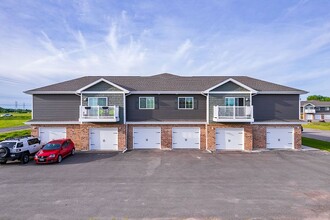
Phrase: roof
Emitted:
{"points": [[164, 82], [316, 103]]}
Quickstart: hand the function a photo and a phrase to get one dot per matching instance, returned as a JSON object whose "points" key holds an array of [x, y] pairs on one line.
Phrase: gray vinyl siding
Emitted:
{"points": [[102, 86], [113, 99], [275, 107], [56, 107], [166, 109], [229, 87], [219, 99]]}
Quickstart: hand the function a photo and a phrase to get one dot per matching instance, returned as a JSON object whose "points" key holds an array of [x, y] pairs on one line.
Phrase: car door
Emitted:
{"points": [[63, 149]]}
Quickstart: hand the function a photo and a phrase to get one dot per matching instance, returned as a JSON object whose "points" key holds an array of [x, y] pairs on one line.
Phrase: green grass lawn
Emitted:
{"points": [[322, 145], [318, 125], [3, 136], [17, 119]]}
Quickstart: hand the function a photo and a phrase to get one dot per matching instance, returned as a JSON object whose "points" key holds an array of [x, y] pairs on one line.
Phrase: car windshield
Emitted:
{"points": [[7, 144], [51, 146]]}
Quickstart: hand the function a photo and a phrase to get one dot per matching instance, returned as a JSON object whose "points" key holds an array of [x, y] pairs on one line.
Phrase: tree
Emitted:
{"points": [[318, 98]]}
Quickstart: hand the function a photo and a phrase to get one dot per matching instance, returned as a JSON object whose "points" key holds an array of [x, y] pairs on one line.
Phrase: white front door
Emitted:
{"points": [[47, 134], [309, 117], [103, 139], [279, 138], [185, 138], [229, 138], [317, 117], [146, 137]]}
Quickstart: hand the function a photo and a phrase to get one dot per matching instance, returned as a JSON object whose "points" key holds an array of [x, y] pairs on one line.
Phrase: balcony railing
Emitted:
{"points": [[310, 111], [99, 113], [233, 114]]}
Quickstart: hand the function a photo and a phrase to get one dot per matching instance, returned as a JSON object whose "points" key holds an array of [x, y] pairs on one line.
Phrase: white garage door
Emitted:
{"points": [[103, 139], [47, 134], [279, 138], [309, 117], [146, 138], [327, 117], [317, 117], [186, 138], [229, 138]]}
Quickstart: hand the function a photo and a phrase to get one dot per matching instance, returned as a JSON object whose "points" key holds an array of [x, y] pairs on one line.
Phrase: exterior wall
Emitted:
{"points": [[211, 134], [113, 99], [166, 109], [56, 107], [166, 134], [259, 135], [230, 86], [79, 134], [275, 107], [102, 86], [219, 99]]}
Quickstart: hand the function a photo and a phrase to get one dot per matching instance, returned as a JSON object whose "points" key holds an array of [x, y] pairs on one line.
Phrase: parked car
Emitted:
{"points": [[7, 115], [19, 148], [55, 151]]}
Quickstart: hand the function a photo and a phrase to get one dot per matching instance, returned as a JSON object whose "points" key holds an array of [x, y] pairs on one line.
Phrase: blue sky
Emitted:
{"points": [[44, 42]]}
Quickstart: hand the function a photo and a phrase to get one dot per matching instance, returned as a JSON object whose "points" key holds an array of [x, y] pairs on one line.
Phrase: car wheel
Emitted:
{"points": [[59, 159], [3, 162], [73, 151], [4, 151], [25, 158]]}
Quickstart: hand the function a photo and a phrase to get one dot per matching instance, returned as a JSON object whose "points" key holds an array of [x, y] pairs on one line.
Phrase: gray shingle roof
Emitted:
{"points": [[164, 82], [316, 103]]}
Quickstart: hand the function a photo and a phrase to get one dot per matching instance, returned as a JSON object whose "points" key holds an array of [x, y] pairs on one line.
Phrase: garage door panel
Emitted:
{"points": [[47, 134], [103, 138], [147, 138], [230, 138], [185, 138], [279, 138]]}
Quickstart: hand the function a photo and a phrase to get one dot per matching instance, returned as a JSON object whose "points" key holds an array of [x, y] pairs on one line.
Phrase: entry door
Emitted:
{"points": [[280, 138], [186, 138], [103, 138], [146, 138], [229, 138]]}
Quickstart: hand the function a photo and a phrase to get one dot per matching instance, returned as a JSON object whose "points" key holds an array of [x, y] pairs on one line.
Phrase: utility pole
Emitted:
{"points": [[16, 105]]}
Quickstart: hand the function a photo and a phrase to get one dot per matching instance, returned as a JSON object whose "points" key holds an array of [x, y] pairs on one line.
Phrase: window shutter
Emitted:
{"points": [[156, 102], [195, 103], [176, 107], [137, 103]]}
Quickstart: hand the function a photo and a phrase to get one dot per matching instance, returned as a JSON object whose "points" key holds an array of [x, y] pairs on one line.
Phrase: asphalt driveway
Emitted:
{"points": [[170, 184], [317, 134]]}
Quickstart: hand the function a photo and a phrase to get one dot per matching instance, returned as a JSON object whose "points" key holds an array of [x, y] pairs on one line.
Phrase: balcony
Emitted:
{"points": [[310, 111], [99, 113], [233, 114]]}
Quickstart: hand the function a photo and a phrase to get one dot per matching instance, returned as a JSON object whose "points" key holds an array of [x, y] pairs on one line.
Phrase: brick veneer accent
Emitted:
{"points": [[166, 134], [211, 131], [259, 135], [79, 134]]}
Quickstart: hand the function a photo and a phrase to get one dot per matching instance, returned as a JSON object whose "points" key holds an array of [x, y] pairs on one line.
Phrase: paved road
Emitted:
{"points": [[316, 134], [18, 128], [170, 184]]}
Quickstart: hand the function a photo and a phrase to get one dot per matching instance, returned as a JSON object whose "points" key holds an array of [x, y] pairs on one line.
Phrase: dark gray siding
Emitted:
{"points": [[230, 86], [166, 109], [275, 107], [102, 86], [219, 99], [56, 107], [113, 99]]}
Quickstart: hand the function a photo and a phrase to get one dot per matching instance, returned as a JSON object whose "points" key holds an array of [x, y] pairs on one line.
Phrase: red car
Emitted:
{"points": [[55, 151]]}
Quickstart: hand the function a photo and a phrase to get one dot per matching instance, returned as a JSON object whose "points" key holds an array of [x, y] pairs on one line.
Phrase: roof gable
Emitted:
{"points": [[102, 85], [230, 85]]}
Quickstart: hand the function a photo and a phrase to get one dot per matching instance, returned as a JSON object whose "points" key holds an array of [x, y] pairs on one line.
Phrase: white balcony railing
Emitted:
{"points": [[233, 114], [310, 111], [99, 113]]}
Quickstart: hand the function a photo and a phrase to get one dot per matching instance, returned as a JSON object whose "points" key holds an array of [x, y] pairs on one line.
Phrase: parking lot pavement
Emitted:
{"points": [[170, 184], [316, 134]]}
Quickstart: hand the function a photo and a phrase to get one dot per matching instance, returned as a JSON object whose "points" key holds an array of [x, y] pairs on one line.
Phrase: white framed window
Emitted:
{"points": [[97, 101], [185, 102], [146, 102], [234, 101]]}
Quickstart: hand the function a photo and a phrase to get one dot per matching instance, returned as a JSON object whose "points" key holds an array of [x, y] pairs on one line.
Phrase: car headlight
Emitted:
{"points": [[36, 156], [52, 155]]}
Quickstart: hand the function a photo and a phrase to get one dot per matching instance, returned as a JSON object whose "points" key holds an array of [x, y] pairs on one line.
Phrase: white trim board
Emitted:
{"points": [[234, 81], [280, 123], [52, 122], [282, 92], [101, 80], [164, 122]]}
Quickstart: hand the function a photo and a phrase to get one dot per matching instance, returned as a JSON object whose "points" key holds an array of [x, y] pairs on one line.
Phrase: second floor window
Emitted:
{"points": [[186, 103], [97, 101], [234, 101], [146, 102]]}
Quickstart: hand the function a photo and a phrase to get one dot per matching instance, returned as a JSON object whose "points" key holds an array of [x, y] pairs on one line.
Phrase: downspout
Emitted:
{"points": [[126, 126], [207, 121]]}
